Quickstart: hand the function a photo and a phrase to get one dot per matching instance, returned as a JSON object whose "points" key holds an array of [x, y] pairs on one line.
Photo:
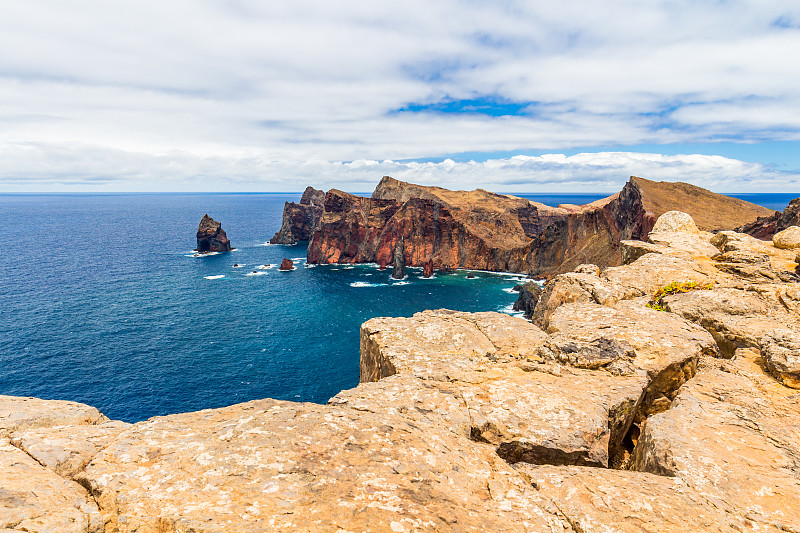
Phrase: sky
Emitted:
{"points": [[238, 95]]}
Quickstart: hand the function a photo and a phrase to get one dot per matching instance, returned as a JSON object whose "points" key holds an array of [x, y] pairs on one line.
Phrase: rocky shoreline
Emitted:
{"points": [[612, 410]]}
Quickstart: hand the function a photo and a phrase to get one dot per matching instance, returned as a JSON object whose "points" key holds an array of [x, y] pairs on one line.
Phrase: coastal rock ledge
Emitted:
{"points": [[612, 411]]}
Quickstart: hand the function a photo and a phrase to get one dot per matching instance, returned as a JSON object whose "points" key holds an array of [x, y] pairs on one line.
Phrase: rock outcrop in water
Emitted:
{"points": [[486, 231], [286, 264], [602, 415], [300, 220], [211, 237], [399, 260]]}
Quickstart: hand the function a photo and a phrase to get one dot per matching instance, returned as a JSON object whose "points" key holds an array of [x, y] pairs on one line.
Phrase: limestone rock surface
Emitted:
{"points": [[781, 352], [732, 435], [675, 221]]}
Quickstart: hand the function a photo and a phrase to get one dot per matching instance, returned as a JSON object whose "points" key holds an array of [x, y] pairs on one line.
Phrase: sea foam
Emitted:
{"points": [[220, 276]]}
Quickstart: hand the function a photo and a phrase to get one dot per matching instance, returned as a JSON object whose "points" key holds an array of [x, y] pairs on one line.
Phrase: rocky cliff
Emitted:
{"points": [[211, 237], [300, 220], [613, 412], [767, 226], [487, 231]]}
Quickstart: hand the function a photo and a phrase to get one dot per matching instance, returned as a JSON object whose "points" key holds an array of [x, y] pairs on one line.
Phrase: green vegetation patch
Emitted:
{"points": [[657, 301]]}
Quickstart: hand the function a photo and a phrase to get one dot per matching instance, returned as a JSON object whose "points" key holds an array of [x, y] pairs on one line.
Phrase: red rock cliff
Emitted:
{"points": [[299, 220], [483, 230]]}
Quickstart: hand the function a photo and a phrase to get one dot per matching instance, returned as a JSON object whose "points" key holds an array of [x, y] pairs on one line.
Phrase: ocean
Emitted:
{"points": [[104, 303]]}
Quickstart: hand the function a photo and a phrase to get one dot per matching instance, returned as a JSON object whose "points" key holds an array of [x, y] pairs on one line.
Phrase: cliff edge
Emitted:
{"points": [[659, 395], [300, 220]]}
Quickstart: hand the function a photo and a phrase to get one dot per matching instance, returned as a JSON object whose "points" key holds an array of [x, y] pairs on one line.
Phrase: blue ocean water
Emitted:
{"points": [[103, 303]]}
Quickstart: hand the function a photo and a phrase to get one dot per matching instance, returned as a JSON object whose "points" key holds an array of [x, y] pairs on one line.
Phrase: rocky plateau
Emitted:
{"points": [[610, 411]]}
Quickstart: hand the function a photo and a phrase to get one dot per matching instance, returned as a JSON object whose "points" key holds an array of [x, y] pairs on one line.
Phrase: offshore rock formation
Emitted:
{"points": [[300, 220], [286, 264], [603, 415], [211, 237], [486, 231], [399, 260], [767, 226]]}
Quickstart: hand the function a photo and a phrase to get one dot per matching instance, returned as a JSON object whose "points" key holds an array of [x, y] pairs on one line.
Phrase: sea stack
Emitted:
{"points": [[286, 264], [211, 237], [399, 271], [427, 269]]}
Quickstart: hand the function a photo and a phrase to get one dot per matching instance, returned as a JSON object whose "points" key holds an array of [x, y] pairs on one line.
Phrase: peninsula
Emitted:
{"points": [[486, 231]]}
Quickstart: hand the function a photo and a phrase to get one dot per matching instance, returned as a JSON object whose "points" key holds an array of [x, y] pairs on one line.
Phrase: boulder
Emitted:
{"points": [[781, 352], [587, 269], [211, 237], [788, 238], [286, 264], [675, 221]]}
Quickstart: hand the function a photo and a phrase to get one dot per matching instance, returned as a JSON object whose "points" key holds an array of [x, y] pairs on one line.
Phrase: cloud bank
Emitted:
{"points": [[258, 95]]}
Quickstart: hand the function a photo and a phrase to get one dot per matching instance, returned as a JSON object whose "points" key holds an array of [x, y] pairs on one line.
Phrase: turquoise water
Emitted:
{"points": [[103, 303]]}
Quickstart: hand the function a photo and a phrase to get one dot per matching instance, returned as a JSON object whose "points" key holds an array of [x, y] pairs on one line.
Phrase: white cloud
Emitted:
{"points": [[144, 94], [87, 168]]}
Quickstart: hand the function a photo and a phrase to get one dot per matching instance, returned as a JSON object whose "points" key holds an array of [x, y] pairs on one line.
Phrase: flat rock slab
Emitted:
{"points": [[18, 413], [67, 449], [280, 466], [531, 411], [735, 318], [444, 345], [667, 347], [33, 498], [733, 435], [600, 500]]}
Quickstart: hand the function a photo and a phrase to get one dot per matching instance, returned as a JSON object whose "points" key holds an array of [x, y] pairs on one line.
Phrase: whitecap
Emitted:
{"points": [[366, 284], [296, 259], [208, 254], [310, 265], [348, 268], [510, 290], [401, 283], [256, 273], [509, 310], [265, 267], [220, 276], [239, 265]]}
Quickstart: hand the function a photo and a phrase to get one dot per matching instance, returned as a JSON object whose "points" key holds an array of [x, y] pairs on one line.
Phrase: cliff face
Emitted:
{"points": [[211, 237], [767, 226], [487, 231], [299, 220]]}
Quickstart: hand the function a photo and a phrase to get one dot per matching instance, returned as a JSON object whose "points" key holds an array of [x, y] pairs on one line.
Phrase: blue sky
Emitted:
{"points": [[511, 96]]}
